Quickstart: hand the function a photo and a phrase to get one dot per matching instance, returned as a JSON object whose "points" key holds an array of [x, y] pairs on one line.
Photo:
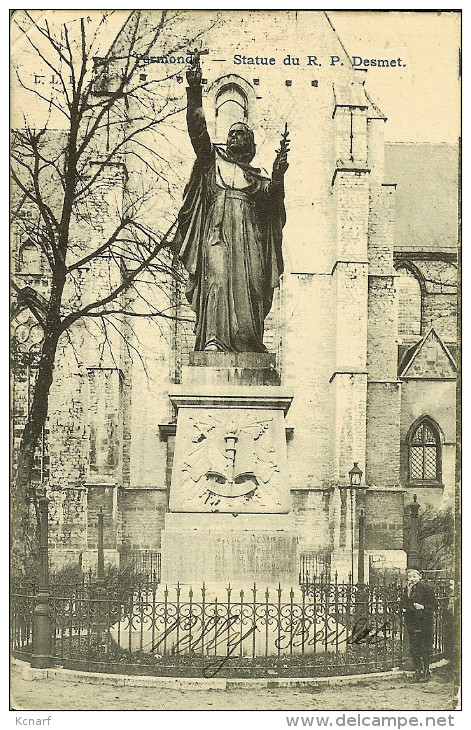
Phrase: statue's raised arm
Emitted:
{"points": [[194, 111]]}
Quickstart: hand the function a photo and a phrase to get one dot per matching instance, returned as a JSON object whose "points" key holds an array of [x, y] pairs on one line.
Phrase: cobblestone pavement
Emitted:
{"points": [[399, 694]]}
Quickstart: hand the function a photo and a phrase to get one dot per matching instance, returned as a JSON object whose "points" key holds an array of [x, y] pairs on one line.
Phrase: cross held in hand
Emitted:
{"points": [[284, 143], [196, 55]]}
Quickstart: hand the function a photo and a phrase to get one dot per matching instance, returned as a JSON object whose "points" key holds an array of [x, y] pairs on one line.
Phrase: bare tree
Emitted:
{"points": [[75, 199], [436, 531]]}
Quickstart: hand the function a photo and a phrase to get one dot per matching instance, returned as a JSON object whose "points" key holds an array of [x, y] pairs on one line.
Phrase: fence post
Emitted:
{"points": [[413, 553], [101, 556], [412, 562], [42, 621], [361, 596]]}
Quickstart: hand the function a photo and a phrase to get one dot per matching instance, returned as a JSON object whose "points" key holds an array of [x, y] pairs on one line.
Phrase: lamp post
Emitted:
{"points": [[361, 598], [43, 627], [355, 475], [361, 548]]}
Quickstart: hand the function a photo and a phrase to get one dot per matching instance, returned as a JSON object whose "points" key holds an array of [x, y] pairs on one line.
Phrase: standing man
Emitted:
{"points": [[419, 605], [230, 232]]}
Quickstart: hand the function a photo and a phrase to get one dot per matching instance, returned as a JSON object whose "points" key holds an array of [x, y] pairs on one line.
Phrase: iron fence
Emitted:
{"points": [[326, 629], [116, 584], [313, 565], [146, 563], [21, 624]]}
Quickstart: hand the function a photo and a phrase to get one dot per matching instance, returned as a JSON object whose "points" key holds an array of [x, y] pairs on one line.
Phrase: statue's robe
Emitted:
{"points": [[229, 237]]}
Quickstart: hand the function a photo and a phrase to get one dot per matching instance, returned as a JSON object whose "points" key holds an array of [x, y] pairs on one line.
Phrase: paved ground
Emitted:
{"points": [[398, 694]]}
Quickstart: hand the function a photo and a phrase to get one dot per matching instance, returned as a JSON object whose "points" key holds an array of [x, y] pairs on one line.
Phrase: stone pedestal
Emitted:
{"points": [[223, 548], [242, 368], [229, 498]]}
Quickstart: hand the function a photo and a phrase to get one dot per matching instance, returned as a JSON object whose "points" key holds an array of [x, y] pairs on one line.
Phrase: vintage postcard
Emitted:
{"points": [[235, 270]]}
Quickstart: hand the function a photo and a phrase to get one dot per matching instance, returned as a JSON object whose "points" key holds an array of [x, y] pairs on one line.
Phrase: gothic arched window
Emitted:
{"points": [[231, 107], [30, 260], [424, 444], [26, 350], [410, 304]]}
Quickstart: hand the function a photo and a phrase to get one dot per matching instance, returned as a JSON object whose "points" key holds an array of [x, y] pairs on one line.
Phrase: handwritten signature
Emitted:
{"points": [[223, 633], [360, 633]]}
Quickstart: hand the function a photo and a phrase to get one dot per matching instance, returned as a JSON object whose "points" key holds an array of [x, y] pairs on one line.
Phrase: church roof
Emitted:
{"points": [[429, 358], [426, 196]]}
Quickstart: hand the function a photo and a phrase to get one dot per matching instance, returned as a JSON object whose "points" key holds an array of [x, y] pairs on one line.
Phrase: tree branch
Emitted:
{"points": [[71, 318], [28, 297], [98, 251]]}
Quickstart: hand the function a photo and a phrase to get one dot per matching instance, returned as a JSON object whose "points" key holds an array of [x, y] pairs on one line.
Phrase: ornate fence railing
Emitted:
{"points": [[21, 624], [144, 562], [313, 564], [326, 629], [121, 583]]}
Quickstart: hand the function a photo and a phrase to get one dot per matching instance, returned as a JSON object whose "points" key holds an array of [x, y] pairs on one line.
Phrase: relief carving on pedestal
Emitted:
{"points": [[230, 465]]}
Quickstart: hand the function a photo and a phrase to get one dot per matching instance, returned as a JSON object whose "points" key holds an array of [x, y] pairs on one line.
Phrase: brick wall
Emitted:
{"points": [[67, 519], [382, 433], [437, 281], [311, 514], [350, 423], [382, 328], [105, 414], [143, 518], [381, 229], [308, 332], [104, 499], [152, 375], [384, 519], [409, 295], [351, 191], [439, 312], [67, 425]]}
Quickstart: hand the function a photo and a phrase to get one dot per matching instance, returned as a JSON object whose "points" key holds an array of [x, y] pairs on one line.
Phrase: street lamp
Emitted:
{"points": [[355, 475]]}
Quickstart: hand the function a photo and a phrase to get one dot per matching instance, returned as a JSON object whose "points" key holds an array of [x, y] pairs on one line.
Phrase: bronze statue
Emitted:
{"points": [[230, 232]]}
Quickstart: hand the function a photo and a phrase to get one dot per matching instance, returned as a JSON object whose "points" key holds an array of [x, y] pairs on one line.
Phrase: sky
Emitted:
{"points": [[422, 99]]}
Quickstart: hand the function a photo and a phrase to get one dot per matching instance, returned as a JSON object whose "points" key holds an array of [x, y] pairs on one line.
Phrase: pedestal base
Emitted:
{"points": [[229, 502], [242, 368], [242, 549]]}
